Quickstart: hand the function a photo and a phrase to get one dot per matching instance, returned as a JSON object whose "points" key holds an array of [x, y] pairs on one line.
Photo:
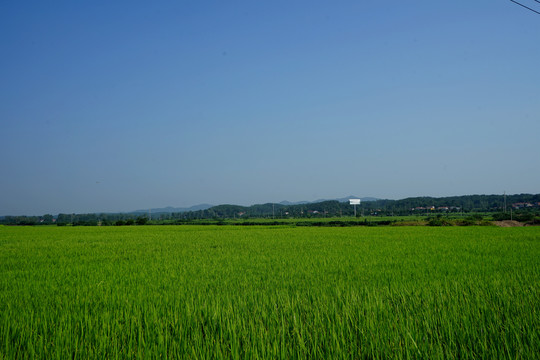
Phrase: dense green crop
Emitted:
{"points": [[269, 292]]}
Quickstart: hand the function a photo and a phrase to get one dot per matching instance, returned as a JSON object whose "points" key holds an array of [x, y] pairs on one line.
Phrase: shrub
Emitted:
{"points": [[475, 217], [465, 222], [501, 216], [439, 222], [141, 220], [524, 217]]}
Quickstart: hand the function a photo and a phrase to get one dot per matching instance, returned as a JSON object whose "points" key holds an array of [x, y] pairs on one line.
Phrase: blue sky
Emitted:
{"points": [[116, 106]]}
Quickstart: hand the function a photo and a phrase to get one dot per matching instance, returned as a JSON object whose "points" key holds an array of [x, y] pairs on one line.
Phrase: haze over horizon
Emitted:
{"points": [[118, 106]]}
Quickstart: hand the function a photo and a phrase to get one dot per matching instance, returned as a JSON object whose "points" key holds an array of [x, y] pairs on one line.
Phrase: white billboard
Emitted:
{"points": [[354, 201]]}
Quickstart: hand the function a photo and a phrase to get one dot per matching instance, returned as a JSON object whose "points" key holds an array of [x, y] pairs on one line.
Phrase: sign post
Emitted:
{"points": [[354, 202]]}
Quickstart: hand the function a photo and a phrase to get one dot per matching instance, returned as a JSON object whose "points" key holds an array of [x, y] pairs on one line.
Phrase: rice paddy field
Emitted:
{"points": [[203, 292]]}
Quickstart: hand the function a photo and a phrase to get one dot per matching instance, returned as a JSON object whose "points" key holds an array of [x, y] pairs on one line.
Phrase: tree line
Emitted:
{"points": [[410, 206]]}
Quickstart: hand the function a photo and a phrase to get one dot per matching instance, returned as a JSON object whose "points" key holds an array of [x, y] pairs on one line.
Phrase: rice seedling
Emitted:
{"points": [[269, 292]]}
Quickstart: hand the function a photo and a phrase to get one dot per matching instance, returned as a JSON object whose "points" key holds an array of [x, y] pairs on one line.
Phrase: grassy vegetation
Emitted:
{"points": [[269, 292]]}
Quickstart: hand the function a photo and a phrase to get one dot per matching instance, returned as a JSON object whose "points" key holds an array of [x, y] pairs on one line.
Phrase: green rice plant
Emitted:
{"points": [[269, 292]]}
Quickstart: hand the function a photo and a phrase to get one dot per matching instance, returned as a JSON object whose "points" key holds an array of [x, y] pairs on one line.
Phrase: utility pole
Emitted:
{"points": [[505, 202]]}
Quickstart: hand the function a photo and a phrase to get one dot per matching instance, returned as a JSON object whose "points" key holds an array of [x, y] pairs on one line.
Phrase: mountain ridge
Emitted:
{"points": [[171, 209], [199, 207], [343, 199]]}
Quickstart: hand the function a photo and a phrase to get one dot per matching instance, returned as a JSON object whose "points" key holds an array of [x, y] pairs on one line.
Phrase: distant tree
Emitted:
{"points": [[63, 219], [475, 217], [47, 219], [141, 220], [501, 216]]}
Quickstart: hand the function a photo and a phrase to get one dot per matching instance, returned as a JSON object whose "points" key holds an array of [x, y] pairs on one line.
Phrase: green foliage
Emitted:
{"points": [[141, 220], [466, 222], [439, 222], [475, 217], [501, 216], [524, 217], [321, 211], [269, 292]]}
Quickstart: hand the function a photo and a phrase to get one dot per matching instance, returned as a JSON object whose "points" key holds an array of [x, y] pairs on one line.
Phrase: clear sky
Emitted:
{"points": [[121, 105]]}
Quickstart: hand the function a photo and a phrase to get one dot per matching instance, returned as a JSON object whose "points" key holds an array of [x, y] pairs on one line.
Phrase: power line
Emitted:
{"points": [[526, 7]]}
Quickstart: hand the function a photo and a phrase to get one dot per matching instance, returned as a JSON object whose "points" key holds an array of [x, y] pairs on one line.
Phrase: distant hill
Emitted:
{"points": [[371, 206], [346, 199], [423, 206], [285, 202], [341, 200], [170, 209]]}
